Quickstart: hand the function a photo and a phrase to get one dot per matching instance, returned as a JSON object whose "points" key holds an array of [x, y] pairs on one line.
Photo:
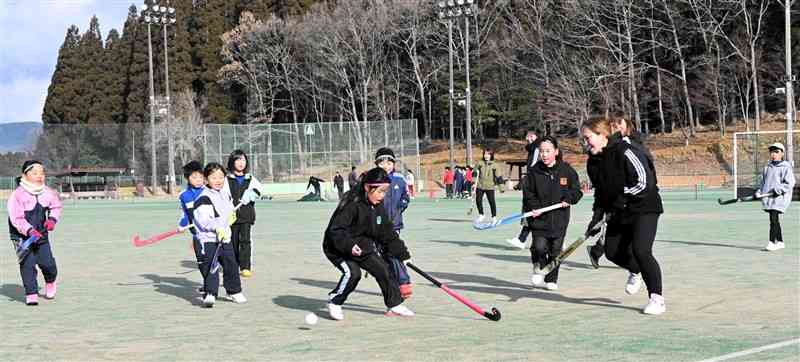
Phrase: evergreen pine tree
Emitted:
{"points": [[60, 106], [91, 88]]}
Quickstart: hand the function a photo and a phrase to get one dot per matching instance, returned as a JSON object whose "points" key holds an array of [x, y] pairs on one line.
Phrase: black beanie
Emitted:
{"points": [[384, 153]]}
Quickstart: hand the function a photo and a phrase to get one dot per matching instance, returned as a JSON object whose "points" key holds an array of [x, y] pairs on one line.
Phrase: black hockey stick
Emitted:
{"points": [[494, 315], [547, 268], [752, 197]]}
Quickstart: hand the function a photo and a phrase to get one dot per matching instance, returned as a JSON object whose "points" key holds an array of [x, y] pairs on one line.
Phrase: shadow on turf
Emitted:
{"points": [[701, 243], [177, 287], [14, 292], [475, 244], [330, 285], [516, 291], [527, 260], [317, 306]]}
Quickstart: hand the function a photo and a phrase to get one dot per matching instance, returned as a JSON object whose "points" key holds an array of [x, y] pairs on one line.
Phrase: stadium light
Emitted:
{"points": [[455, 10], [159, 15]]}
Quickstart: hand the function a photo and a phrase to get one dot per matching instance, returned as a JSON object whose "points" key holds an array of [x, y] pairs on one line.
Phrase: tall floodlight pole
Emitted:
{"points": [[167, 18], [454, 10], [149, 16], [467, 13], [791, 111], [447, 14]]}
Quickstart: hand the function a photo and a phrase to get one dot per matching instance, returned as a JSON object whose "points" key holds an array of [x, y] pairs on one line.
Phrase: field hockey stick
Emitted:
{"points": [[511, 218], [137, 242], [472, 201], [215, 259], [752, 197], [494, 315], [547, 268], [25, 247]]}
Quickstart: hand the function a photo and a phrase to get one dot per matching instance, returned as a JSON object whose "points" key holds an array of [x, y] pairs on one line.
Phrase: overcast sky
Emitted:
{"points": [[32, 31]]}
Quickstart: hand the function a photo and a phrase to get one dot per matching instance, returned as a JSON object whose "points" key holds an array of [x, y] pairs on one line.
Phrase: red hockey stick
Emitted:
{"points": [[494, 315], [137, 242]]}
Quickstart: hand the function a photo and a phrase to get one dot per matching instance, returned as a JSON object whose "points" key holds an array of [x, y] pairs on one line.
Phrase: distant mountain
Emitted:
{"points": [[19, 136]]}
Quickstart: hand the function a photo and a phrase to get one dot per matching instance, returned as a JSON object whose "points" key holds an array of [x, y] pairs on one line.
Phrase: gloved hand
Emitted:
{"points": [[183, 228], [232, 218], [356, 251], [34, 232], [222, 235], [50, 224], [249, 196], [407, 261]]}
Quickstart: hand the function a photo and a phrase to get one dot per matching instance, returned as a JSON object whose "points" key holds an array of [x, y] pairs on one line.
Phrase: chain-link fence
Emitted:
{"points": [[283, 153], [120, 155]]}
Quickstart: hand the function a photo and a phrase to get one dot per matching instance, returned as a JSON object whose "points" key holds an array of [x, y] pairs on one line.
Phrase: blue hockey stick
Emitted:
{"points": [[514, 217], [25, 247]]}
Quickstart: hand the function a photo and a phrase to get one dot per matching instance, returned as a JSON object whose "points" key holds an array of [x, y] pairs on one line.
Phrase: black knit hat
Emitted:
{"points": [[384, 153]]}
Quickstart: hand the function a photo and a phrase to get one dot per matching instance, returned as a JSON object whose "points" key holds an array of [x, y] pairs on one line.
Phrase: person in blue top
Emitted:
{"points": [[193, 172], [395, 203]]}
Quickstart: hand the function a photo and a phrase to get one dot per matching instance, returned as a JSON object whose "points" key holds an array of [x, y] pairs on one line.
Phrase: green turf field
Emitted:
{"points": [[115, 301]]}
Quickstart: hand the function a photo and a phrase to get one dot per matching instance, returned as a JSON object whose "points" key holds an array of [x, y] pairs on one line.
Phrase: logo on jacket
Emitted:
{"points": [[378, 220], [563, 181]]}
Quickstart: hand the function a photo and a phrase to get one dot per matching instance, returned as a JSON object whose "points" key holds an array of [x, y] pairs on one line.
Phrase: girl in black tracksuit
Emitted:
{"points": [[239, 181], [550, 181], [358, 229], [626, 189]]}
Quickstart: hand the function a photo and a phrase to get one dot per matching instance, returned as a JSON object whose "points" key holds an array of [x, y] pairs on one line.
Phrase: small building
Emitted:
{"points": [[89, 182]]}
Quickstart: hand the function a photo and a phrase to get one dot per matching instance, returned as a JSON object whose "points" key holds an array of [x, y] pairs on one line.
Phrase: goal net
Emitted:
{"points": [[751, 154]]}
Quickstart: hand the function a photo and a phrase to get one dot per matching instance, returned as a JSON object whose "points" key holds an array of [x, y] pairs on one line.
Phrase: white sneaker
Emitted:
{"points": [[551, 286], [780, 245], [400, 310], [537, 280], [335, 311], [771, 246], [515, 242], [238, 298], [494, 220], [209, 300], [656, 305], [480, 219], [634, 283]]}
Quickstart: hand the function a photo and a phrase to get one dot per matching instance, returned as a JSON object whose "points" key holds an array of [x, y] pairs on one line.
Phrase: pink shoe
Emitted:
{"points": [[32, 299], [50, 290]]}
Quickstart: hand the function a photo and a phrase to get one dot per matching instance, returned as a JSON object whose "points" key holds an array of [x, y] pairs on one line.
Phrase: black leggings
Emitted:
{"points": [[544, 250], [490, 196], [775, 226], [631, 247]]}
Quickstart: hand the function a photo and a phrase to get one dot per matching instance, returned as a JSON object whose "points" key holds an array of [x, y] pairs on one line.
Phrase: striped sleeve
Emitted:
{"points": [[641, 174]]}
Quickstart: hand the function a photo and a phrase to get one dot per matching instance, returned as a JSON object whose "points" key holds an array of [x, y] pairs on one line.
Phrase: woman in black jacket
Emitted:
{"points": [[551, 181], [626, 190], [629, 134], [358, 228]]}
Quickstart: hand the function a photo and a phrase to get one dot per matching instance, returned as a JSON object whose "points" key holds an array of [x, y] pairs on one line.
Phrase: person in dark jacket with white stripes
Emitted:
{"points": [[359, 229], [629, 134], [627, 191], [551, 181]]}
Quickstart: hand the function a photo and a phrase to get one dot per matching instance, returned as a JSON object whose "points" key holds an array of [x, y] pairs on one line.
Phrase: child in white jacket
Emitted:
{"points": [[213, 215]]}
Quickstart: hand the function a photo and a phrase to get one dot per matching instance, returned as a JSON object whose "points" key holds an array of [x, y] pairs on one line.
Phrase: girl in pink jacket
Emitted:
{"points": [[33, 210]]}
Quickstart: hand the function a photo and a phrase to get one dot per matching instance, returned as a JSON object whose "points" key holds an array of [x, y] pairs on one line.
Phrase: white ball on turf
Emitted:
{"points": [[311, 319]]}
